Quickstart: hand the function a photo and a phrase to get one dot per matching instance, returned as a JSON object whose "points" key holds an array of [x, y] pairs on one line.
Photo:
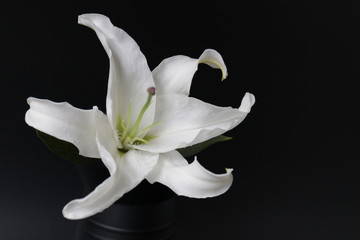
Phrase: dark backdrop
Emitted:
{"points": [[295, 157]]}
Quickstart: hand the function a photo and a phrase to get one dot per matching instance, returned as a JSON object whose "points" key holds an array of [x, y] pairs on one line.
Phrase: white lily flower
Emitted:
{"points": [[138, 137]]}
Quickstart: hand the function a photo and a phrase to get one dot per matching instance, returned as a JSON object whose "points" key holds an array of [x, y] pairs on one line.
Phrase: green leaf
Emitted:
{"points": [[64, 149], [194, 149]]}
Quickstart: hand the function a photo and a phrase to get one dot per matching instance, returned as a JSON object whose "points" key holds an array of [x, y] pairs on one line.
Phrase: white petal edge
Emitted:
{"points": [[126, 172], [191, 180], [65, 122], [175, 74], [185, 121], [129, 74]]}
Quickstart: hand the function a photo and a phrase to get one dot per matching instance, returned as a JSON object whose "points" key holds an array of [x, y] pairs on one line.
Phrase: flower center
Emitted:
{"points": [[129, 136]]}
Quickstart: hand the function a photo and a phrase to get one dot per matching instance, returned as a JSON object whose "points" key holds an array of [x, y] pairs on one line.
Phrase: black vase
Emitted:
{"points": [[145, 213]]}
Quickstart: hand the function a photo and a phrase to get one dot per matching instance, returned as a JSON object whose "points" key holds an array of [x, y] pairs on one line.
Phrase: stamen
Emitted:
{"points": [[126, 129], [145, 129], [122, 125], [139, 140]]}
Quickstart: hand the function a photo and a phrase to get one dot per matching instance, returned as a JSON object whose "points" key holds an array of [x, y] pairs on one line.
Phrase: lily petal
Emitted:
{"points": [[175, 74], [126, 172], [129, 76], [191, 180], [65, 122], [184, 121]]}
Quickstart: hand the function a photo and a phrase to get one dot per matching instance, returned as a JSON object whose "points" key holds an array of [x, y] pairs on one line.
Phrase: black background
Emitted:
{"points": [[295, 157]]}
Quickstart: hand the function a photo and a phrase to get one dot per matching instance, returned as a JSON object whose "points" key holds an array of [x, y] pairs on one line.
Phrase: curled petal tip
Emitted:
{"points": [[212, 58], [93, 20], [79, 19], [82, 18], [29, 100], [224, 73], [68, 216], [247, 102]]}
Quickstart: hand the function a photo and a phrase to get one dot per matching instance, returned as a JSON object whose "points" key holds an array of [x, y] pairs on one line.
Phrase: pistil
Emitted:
{"points": [[151, 93], [127, 136]]}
